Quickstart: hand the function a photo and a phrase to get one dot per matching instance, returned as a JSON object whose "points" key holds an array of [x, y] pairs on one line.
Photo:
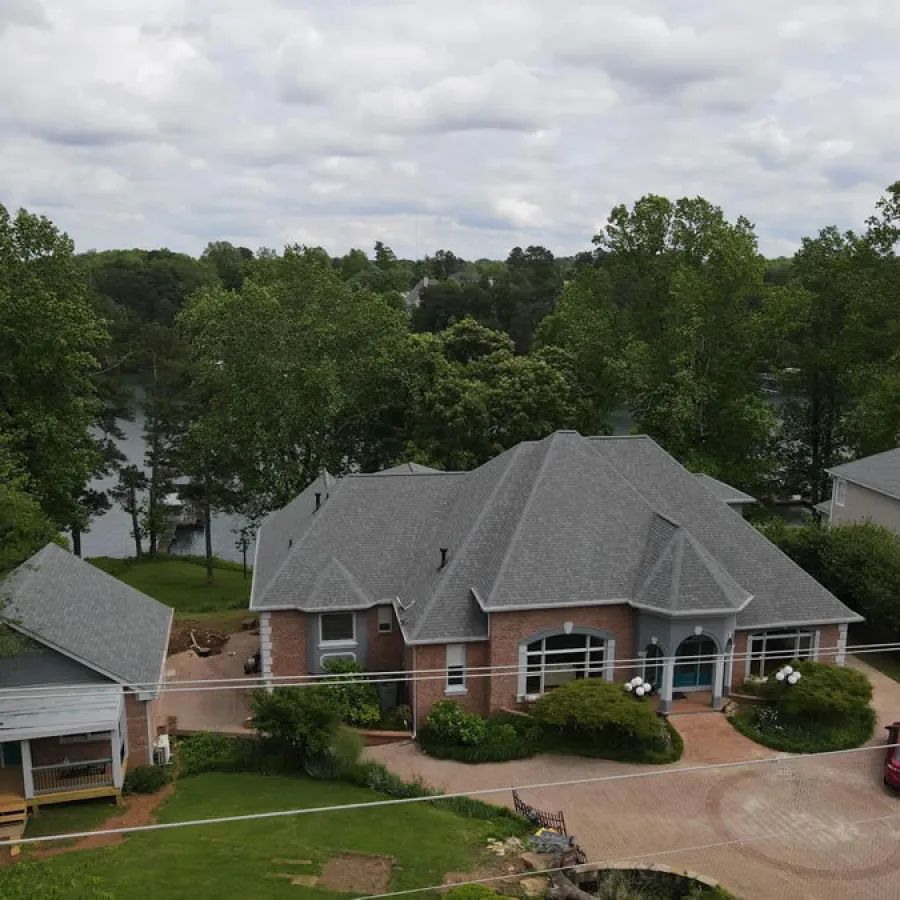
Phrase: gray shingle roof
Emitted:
{"points": [[79, 610], [725, 492], [565, 521], [782, 592], [880, 472]]}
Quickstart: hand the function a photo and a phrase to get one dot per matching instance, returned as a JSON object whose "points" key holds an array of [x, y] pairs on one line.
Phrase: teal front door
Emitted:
{"points": [[12, 754], [694, 662]]}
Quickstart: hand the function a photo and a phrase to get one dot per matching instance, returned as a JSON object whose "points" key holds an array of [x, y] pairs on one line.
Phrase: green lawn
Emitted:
{"points": [[180, 582], [239, 859], [68, 817]]}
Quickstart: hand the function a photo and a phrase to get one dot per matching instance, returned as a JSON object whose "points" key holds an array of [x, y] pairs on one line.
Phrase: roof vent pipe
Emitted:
{"points": [[318, 499], [443, 557]]}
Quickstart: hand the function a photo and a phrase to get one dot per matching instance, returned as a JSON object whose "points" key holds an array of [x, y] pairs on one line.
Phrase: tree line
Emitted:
{"points": [[259, 369]]}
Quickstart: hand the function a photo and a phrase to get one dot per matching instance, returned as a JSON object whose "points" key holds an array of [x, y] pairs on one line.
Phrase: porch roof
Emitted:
{"points": [[57, 710]]}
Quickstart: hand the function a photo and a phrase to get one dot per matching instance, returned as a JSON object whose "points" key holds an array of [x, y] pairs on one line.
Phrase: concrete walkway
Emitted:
{"points": [[808, 828]]}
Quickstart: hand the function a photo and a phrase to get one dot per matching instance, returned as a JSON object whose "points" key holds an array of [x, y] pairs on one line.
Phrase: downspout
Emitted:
{"points": [[415, 698]]}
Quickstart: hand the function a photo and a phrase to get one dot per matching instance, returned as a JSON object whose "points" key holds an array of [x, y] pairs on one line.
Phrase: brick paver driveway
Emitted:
{"points": [[834, 841]]}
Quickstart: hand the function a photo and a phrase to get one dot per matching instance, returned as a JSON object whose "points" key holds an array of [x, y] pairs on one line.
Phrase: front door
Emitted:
{"points": [[12, 754], [694, 663]]}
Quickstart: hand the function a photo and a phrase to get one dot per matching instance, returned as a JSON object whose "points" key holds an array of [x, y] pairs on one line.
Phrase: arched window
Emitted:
{"points": [[553, 659]]}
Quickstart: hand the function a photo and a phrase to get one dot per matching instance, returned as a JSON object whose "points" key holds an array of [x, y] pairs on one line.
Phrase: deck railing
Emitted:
{"points": [[72, 776]]}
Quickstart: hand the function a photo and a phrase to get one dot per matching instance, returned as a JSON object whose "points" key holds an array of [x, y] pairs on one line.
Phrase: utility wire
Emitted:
{"points": [[406, 675], [479, 792], [791, 832]]}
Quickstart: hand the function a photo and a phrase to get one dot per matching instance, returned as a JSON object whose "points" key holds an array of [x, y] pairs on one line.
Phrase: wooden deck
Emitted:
{"points": [[13, 807]]}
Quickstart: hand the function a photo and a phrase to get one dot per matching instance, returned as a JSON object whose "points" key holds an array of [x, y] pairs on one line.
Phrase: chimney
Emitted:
{"points": [[443, 557], [318, 499]]}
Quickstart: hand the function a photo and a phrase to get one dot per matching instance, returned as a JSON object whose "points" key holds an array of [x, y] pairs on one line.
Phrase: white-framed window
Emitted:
{"points": [[456, 668], [337, 628], [385, 619], [768, 651], [84, 738], [840, 491], [553, 660]]}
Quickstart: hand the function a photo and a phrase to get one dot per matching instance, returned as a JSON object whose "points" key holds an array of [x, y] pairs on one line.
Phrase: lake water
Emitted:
{"points": [[110, 534]]}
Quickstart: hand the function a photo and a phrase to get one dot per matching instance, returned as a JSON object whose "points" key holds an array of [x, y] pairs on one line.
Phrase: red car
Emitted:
{"points": [[892, 759]]}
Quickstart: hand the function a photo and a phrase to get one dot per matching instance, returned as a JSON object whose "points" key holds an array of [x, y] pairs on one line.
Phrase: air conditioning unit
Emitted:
{"points": [[162, 751]]}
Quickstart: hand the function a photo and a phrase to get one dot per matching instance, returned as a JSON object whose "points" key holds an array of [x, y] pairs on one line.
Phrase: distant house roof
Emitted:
{"points": [[565, 521], [725, 492], [880, 472], [66, 603]]}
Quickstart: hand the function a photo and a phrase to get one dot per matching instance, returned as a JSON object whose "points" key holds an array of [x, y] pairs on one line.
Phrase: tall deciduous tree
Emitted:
{"points": [[49, 338], [686, 279]]}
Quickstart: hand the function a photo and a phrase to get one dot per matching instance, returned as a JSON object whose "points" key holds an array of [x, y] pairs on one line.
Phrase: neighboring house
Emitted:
{"points": [[729, 495], [556, 560], [867, 488], [77, 705], [414, 297]]}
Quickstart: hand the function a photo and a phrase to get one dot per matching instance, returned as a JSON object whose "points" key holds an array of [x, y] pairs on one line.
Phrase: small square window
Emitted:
{"points": [[385, 619], [337, 628]]}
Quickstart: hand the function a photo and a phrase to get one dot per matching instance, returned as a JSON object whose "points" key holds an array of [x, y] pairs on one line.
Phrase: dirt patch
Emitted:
{"points": [[503, 872], [357, 873], [180, 638], [141, 810]]}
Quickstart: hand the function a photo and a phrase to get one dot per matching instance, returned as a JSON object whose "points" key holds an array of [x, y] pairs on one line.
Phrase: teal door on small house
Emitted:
{"points": [[694, 662], [12, 754]]}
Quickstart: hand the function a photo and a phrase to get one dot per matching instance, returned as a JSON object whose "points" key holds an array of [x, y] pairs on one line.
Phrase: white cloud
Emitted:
{"points": [[514, 122]]}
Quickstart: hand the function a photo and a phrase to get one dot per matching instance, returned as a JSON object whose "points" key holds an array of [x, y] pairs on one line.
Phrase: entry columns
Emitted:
{"points": [[668, 680], [718, 673]]}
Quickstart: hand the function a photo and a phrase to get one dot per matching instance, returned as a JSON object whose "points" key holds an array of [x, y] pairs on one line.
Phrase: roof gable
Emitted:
{"points": [[77, 609], [880, 472]]}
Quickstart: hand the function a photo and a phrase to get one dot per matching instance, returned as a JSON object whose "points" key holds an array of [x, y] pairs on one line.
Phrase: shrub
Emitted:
{"points": [[346, 749], [507, 736], [824, 692], [766, 726], [450, 723], [146, 779], [357, 703], [301, 721], [213, 753], [601, 711]]}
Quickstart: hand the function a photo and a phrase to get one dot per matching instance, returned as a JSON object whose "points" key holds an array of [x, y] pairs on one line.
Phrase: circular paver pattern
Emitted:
{"points": [[816, 809]]}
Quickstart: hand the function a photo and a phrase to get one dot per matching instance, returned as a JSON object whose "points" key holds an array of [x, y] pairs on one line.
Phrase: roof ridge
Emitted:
{"points": [[514, 453], [677, 562], [715, 568], [501, 569]]}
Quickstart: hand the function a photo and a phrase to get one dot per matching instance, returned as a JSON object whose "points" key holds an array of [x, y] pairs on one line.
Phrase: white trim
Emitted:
{"points": [[341, 642], [817, 638], [151, 743], [839, 492], [116, 748], [609, 660], [27, 775], [456, 663], [841, 654]]}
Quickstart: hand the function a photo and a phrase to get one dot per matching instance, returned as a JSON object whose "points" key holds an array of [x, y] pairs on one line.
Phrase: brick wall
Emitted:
{"points": [[828, 638], [508, 630], [136, 712], [289, 648], [433, 686], [49, 751], [386, 651]]}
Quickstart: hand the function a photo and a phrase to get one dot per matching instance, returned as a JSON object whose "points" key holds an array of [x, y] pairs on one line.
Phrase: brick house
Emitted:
{"points": [[563, 558], [78, 698]]}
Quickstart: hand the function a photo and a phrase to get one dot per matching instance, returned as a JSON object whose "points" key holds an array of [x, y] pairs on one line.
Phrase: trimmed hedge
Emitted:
{"points": [[504, 737], [827, 709], [584, 718], [766, 726]]}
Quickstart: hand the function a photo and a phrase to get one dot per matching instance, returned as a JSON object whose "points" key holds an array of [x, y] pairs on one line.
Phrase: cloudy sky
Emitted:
{"points": [[473, 125]]}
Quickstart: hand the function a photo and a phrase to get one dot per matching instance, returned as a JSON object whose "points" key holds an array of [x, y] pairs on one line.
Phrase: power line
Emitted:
{"points": [[791, 832], [478, 792], [410, 676]]}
